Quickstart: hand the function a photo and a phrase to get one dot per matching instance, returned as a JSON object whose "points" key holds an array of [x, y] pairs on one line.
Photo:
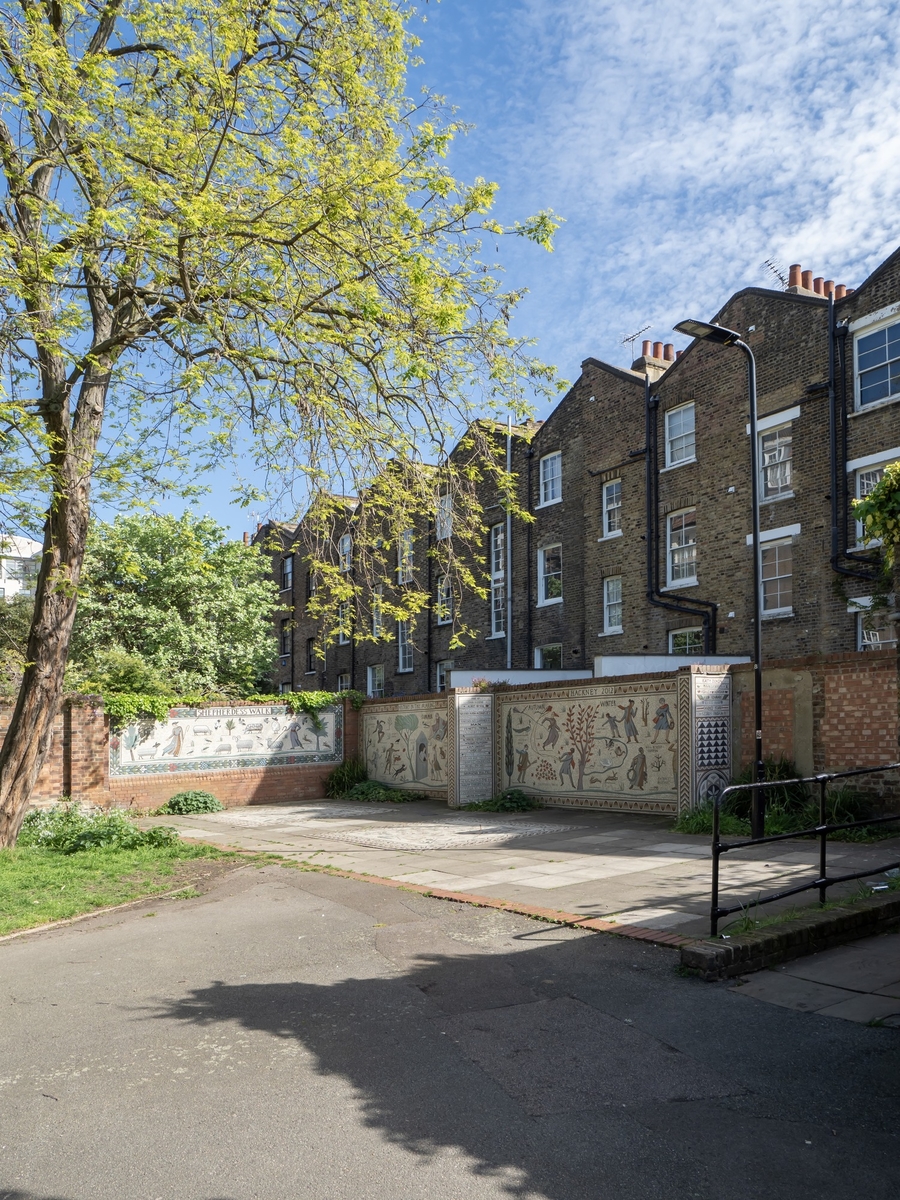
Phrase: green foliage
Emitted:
{"points": [[378, 793], [879, 512], [512, 800], [791, 798], [69, 828], [345, 776], [167, 606], [185, 803], [15, 621]]}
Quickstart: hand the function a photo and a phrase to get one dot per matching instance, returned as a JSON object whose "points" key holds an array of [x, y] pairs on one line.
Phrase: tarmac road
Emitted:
{"points": [[293, 1035]]}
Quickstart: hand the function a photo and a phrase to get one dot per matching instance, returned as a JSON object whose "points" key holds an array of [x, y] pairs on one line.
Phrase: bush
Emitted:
{"points": [[345, 777], [184, 803], [512, 800], [788, 810], [68, 828], [379, 793]]}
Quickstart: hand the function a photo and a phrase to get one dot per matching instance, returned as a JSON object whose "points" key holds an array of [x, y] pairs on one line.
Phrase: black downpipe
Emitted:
{"points": [[840, 546], [529, 649], [706, 609]]}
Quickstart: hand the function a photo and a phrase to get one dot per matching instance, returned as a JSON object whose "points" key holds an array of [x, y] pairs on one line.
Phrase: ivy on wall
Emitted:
{"points": [[123, 708]]}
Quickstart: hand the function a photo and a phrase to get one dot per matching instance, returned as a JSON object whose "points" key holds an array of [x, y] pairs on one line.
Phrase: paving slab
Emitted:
{"points": [[864, 1009], [790, 992]]}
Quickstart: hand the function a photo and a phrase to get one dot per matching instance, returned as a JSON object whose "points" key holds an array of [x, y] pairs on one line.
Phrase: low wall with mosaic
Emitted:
{"points": [[405, 743]]}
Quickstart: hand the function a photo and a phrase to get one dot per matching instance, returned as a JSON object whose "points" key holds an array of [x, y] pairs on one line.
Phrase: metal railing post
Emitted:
{"points": [[714, 908], [823, 841]]}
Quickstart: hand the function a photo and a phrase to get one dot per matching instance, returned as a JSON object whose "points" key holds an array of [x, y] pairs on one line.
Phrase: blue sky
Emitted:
{"points": [[683, 145]]}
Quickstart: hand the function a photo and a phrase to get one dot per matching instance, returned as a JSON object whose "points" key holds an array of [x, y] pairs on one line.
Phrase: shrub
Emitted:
{"points": [[345, 777], [185, 803], [68, 828], [379, 793], [512, 800]]}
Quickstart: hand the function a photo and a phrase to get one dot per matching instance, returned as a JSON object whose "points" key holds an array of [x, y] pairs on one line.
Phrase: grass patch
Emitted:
{"points": [[512, 800], [38, 885], [748, 923]]}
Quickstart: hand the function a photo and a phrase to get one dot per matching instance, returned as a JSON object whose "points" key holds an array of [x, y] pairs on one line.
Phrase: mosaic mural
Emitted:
{"points": [[609, 746], [224, 738], [405, 744]]}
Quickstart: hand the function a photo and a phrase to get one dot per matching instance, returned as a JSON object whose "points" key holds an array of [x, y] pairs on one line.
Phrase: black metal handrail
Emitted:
{"points": [[823, 881]]}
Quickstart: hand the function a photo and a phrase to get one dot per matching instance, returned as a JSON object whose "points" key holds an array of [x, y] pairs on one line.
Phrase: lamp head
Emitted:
{"points": [[708, 332]]}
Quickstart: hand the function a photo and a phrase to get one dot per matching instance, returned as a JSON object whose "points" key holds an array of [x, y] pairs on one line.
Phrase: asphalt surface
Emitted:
{"points": [[294, 1035]]}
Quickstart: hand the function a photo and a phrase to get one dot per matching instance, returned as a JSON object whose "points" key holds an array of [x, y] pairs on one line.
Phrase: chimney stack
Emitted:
{"points": [[794, 275], [807, 278], [657, 349], [669, 352], [646, 349]]}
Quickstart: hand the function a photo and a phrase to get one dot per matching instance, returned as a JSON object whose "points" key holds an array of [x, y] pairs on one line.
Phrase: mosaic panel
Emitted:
{"points": [[226, 739], [405, 744], [598, 745]]}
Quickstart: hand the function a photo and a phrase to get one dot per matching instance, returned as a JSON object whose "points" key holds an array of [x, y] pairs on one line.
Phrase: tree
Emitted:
{"points": [[173, 598], [223, 228]]}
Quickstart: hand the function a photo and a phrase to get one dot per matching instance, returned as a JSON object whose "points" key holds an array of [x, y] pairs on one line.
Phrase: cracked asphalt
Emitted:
{"points": [[296, 1035]]}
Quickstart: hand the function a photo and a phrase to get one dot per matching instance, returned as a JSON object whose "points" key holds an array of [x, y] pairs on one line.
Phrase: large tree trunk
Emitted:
{"points": [[29, 735]]}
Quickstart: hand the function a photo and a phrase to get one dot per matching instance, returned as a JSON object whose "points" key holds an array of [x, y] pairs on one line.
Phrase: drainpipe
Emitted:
{"points": [[706, 609], [529, 649], [508, 555], [838, 456]]}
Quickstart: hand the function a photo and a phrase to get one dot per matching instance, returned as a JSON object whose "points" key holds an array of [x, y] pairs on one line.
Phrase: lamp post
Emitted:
{"points": [[708, 332]]}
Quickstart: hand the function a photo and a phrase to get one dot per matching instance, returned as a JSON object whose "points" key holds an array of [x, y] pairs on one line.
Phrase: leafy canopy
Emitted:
{"points": [[168, 605], [879, 512]]}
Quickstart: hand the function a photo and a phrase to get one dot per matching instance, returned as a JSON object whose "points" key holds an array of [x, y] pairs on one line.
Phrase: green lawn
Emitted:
{"points": [[38, 885]]}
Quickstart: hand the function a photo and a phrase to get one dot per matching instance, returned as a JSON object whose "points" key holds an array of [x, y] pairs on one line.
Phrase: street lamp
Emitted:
{"points": [[708, 332]]}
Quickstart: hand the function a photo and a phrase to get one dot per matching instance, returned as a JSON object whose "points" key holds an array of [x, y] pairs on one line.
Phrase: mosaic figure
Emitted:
{"points": [[552, 730], [663, 720], [637, 772], [629, 710], [523, 764]]}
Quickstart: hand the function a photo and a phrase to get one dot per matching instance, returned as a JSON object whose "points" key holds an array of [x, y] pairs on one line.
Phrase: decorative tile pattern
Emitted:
{"points": [[227, 739], [405, 743]]}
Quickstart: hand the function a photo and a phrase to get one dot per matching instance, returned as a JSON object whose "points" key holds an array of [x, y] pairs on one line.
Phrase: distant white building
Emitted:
{"points": [[20, 561]]}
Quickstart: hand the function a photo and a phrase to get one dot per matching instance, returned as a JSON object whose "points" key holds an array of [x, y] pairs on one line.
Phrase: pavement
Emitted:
{"points": [[302, 1036], [629, 868]]}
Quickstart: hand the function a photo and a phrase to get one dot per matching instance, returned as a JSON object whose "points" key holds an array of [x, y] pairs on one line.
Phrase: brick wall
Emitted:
{"points": [[77, 765]]}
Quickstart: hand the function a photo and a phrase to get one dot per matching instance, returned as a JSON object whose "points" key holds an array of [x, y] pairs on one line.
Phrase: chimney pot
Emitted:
{"points": [[850, 291], [246, 539], [818, 283], [657, 349], [829, 286], [794, 275], [806, 276], [669, 352], [840, 292], [678, 354], [647, 349], [259, 525]]}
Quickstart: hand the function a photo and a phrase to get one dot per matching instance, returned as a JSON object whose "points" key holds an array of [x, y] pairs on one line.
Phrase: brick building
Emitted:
{"points": [[639, 486]]}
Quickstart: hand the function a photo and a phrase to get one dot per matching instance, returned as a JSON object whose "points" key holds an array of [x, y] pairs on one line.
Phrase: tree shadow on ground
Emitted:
{"points": [[528, 1063]]}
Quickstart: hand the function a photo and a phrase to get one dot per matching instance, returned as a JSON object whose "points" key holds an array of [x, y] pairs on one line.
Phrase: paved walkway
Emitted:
{"points": [[859, 982], [629, 868]]}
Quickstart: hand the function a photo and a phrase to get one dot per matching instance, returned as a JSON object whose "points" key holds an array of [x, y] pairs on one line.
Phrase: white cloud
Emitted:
{"points": [[684, 144]]}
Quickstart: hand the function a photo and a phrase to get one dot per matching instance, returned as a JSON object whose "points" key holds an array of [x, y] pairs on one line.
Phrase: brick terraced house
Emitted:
{"points": [[639, 485]]}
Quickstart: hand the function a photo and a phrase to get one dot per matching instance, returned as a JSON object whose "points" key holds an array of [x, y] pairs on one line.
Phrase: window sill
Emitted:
{"points": [[495, 637], [404, 671], [608, 537], [777, 614], [310, 672], [611, 633], [677, 587], [549, 603], [685, 462], [341, 643], [548, 503], [775, 499], [859, 411]]}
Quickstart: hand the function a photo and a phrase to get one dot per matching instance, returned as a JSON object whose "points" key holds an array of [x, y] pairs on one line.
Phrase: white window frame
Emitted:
{"points": [[405, 660], [611, 510], [442, 670], [343, 620], [543, 576], [444, 605], [683, 459], [286, 629], [782, 610], [443, 521], [345, 552], [673, 584], [343, 681], [378, 611], [550, 480], [612, 604], [497, 560], [375, 681], [311, 656], [863, 331], [674, 633], [539, 652], [764, 467], [405, 556], [287, 574], [860, 606]]}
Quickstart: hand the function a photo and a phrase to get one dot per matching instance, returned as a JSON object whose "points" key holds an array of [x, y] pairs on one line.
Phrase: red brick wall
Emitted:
{"points": [[778, 724], [77, 765]]}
